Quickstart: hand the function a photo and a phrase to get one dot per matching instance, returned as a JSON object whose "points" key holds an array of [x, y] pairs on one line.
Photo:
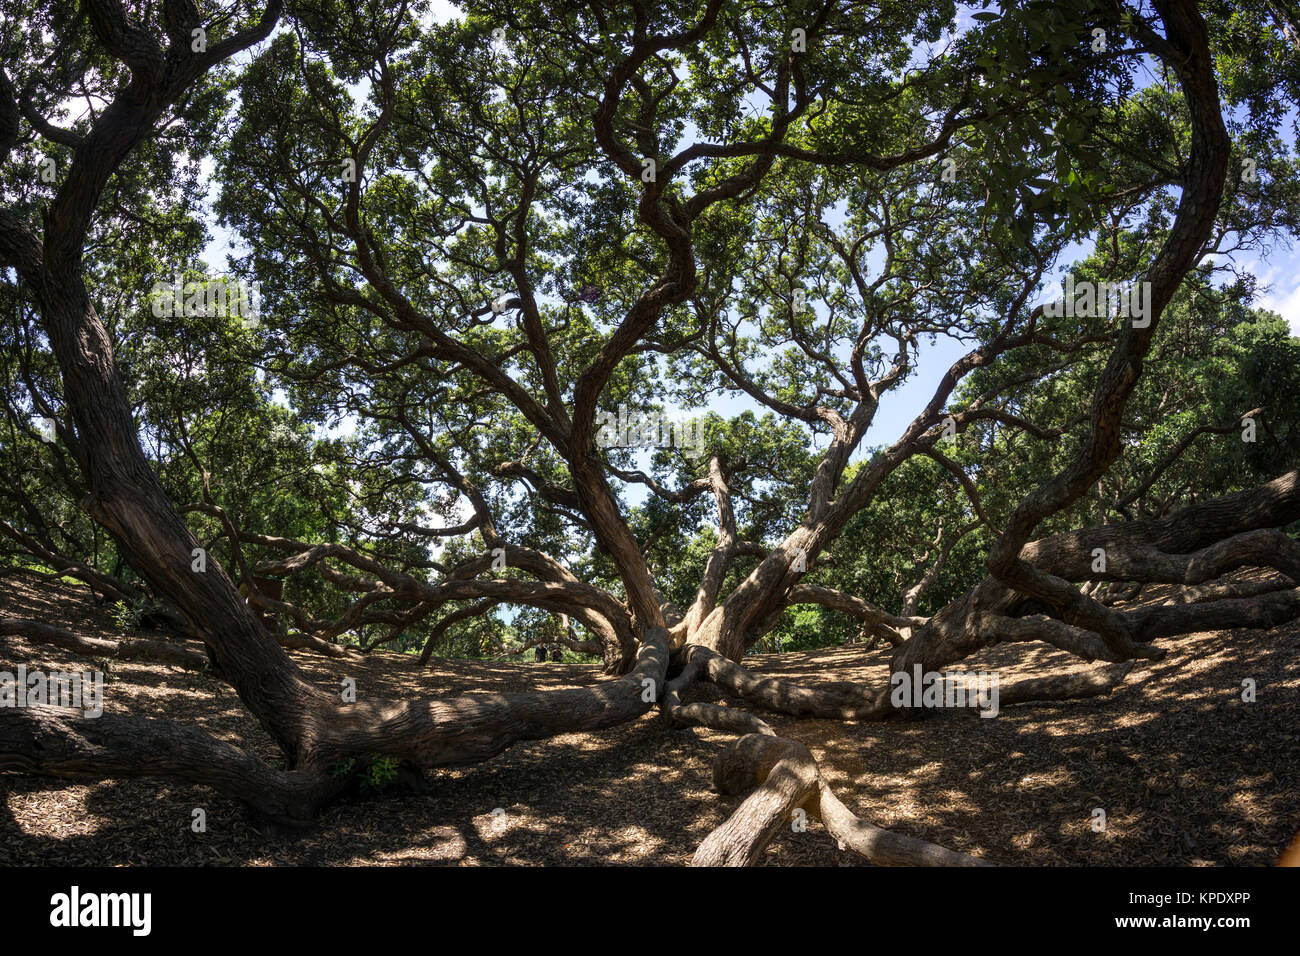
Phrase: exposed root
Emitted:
{"points": [[41, 740], [427, 732], [1097, 682], [309, 642], [1079, 641], [846, 702], [783, 778], [1231, 588], [717, 717], [884, 847], [786, 775], [1190, 547], [126, 649], [1262, 611], [702, 714]]}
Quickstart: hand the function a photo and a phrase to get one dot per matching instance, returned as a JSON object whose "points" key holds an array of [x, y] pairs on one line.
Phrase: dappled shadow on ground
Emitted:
{"points": [[1185, 771]]}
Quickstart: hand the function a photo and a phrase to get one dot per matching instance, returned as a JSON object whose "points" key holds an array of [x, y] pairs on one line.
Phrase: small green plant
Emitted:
{"points": [[105, 666], [127, 617], [369, 775], [382, 772]]}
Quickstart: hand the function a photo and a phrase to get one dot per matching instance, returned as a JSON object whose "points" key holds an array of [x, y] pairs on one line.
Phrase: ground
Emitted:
{"points": [[1186, 771]]}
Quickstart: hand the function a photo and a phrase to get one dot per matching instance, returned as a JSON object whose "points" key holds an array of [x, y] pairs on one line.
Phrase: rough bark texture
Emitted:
{"points": [[1190, 546]]}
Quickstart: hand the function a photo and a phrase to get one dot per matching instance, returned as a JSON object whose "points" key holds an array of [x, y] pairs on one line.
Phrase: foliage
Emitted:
{"points": [[384, 403]]}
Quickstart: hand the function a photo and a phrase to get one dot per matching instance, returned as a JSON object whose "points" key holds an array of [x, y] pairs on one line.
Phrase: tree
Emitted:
{"points": [[478, 240]]}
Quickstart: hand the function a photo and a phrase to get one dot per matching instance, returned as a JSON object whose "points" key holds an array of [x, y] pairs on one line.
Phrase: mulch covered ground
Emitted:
{"points": [[1186, 772]]}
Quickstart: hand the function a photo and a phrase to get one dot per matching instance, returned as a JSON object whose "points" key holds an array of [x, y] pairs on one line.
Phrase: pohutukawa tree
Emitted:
{"points": [[478, 244]]}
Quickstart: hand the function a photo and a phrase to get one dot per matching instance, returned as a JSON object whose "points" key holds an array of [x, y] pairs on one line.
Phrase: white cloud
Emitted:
{"points": [[1284, 299]]}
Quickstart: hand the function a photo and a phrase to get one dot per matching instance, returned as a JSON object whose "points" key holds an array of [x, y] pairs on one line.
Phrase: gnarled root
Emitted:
{"points": [[845, 702], [784, 777]]}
